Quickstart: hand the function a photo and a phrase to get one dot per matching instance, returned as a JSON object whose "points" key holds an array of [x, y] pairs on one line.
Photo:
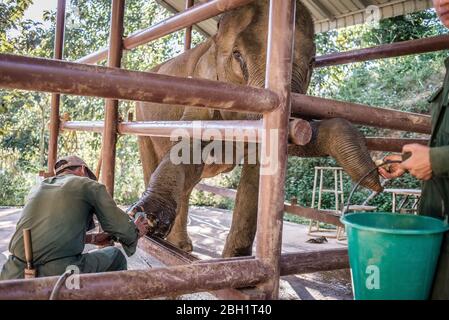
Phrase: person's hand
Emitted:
{"points": [[394, 170], [442, 9], [102, 239], [418, 164], [142, 226]]}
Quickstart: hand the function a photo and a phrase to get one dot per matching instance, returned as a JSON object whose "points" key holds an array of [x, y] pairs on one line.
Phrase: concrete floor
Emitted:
{"points": [[208, 228]]}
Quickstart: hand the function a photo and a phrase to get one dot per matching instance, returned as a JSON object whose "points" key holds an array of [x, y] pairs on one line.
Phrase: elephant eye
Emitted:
{"points": [[237, 55], [241, 62]]}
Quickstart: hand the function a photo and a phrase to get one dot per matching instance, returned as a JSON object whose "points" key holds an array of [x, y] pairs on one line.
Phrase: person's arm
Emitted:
{"points": [[112, 219], [439, 159]]}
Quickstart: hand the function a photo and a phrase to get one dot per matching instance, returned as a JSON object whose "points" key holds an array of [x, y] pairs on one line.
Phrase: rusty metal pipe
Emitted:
{"points": [[314, 214], [300, 132], [36, 74], [55, 97], [223, 192], [385, 51], [170, 255], [177, 22], [321, 108], [108, 148], [391, 144], [144, 284], [271, 191], [315, 261], [188, 31], [305, 262]]}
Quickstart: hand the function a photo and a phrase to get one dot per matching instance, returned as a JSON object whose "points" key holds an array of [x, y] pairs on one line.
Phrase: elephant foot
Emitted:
{"points": [[233, 251], [180, 240], [160, 214]]}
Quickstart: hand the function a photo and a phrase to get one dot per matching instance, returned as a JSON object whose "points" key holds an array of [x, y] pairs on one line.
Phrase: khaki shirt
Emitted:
{"points": [[59, 211]]}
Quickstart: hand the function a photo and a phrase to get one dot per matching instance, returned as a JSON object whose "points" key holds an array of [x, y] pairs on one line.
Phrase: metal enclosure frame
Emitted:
{"points": [[187, 274]]}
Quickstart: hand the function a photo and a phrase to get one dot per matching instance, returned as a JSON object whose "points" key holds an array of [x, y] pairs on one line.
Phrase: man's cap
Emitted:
{"points": [[72, 161]]}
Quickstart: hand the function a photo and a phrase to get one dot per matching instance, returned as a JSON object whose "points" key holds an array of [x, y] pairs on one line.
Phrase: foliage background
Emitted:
{"points": [[401, 83]]}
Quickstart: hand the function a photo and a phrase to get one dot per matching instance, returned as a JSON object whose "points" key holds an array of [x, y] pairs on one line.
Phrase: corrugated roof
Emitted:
{"points": [[331, 14]]}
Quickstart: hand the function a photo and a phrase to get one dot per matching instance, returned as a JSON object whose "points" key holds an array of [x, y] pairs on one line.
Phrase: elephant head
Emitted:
{"points": [[241, 46], [241, 54]]}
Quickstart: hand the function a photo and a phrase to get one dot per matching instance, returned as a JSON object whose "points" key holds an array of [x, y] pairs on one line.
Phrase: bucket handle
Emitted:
{"points": [[405, 156]]}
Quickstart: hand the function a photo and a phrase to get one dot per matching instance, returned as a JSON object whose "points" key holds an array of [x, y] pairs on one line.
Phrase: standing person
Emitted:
{"points": [[431, 165], [59, 212]]}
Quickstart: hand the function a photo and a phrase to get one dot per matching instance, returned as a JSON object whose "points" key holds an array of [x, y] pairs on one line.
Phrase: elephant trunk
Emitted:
{"points": [[339, 139]]}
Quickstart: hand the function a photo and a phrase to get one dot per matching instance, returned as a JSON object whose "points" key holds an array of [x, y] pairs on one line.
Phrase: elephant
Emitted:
{"points": [[236, 54]]}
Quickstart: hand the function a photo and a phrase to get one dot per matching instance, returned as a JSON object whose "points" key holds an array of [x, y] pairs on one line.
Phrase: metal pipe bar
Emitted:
{"points": [[273, 169], [391, 144], [177, 22], [224, 192], [321, 108], [384, 51], [315, 261], [165, 252], [56, 97], [314, 214], [108, 149], [305, 262], [238, 130], [36, 74], [143, 284], [188, 31], [300, 131], [170, 255], [310, 213]]}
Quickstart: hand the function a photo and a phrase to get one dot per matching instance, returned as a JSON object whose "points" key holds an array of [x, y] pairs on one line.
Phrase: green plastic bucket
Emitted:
{"points": [[393, 256]]}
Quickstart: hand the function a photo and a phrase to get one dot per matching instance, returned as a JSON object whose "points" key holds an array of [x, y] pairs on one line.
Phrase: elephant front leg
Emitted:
{"points": [[244, 220], [178, 236], [165, 192]]}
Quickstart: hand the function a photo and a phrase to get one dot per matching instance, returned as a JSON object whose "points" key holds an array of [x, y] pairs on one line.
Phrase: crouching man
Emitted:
{"points": [[59, 212]]}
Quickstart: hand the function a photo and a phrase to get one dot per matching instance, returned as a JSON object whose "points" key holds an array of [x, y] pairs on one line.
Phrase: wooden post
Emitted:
{"points": [[274, 151], [55, 97], [111, 106], [188, 34]]}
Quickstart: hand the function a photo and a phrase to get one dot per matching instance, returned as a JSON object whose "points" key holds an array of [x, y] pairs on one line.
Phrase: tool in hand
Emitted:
{"points": [[30, 271], [386, 164], [405, 157]]}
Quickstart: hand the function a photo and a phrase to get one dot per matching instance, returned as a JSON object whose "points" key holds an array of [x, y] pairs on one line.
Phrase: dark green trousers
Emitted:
{"points": [[101, 260], [441, 284]]}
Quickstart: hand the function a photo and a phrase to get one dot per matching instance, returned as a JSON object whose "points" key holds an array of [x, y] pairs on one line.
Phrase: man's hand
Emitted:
{"points": [[142, 225], [395, 170], [418, 164], [442, 9], [102, 239]]}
